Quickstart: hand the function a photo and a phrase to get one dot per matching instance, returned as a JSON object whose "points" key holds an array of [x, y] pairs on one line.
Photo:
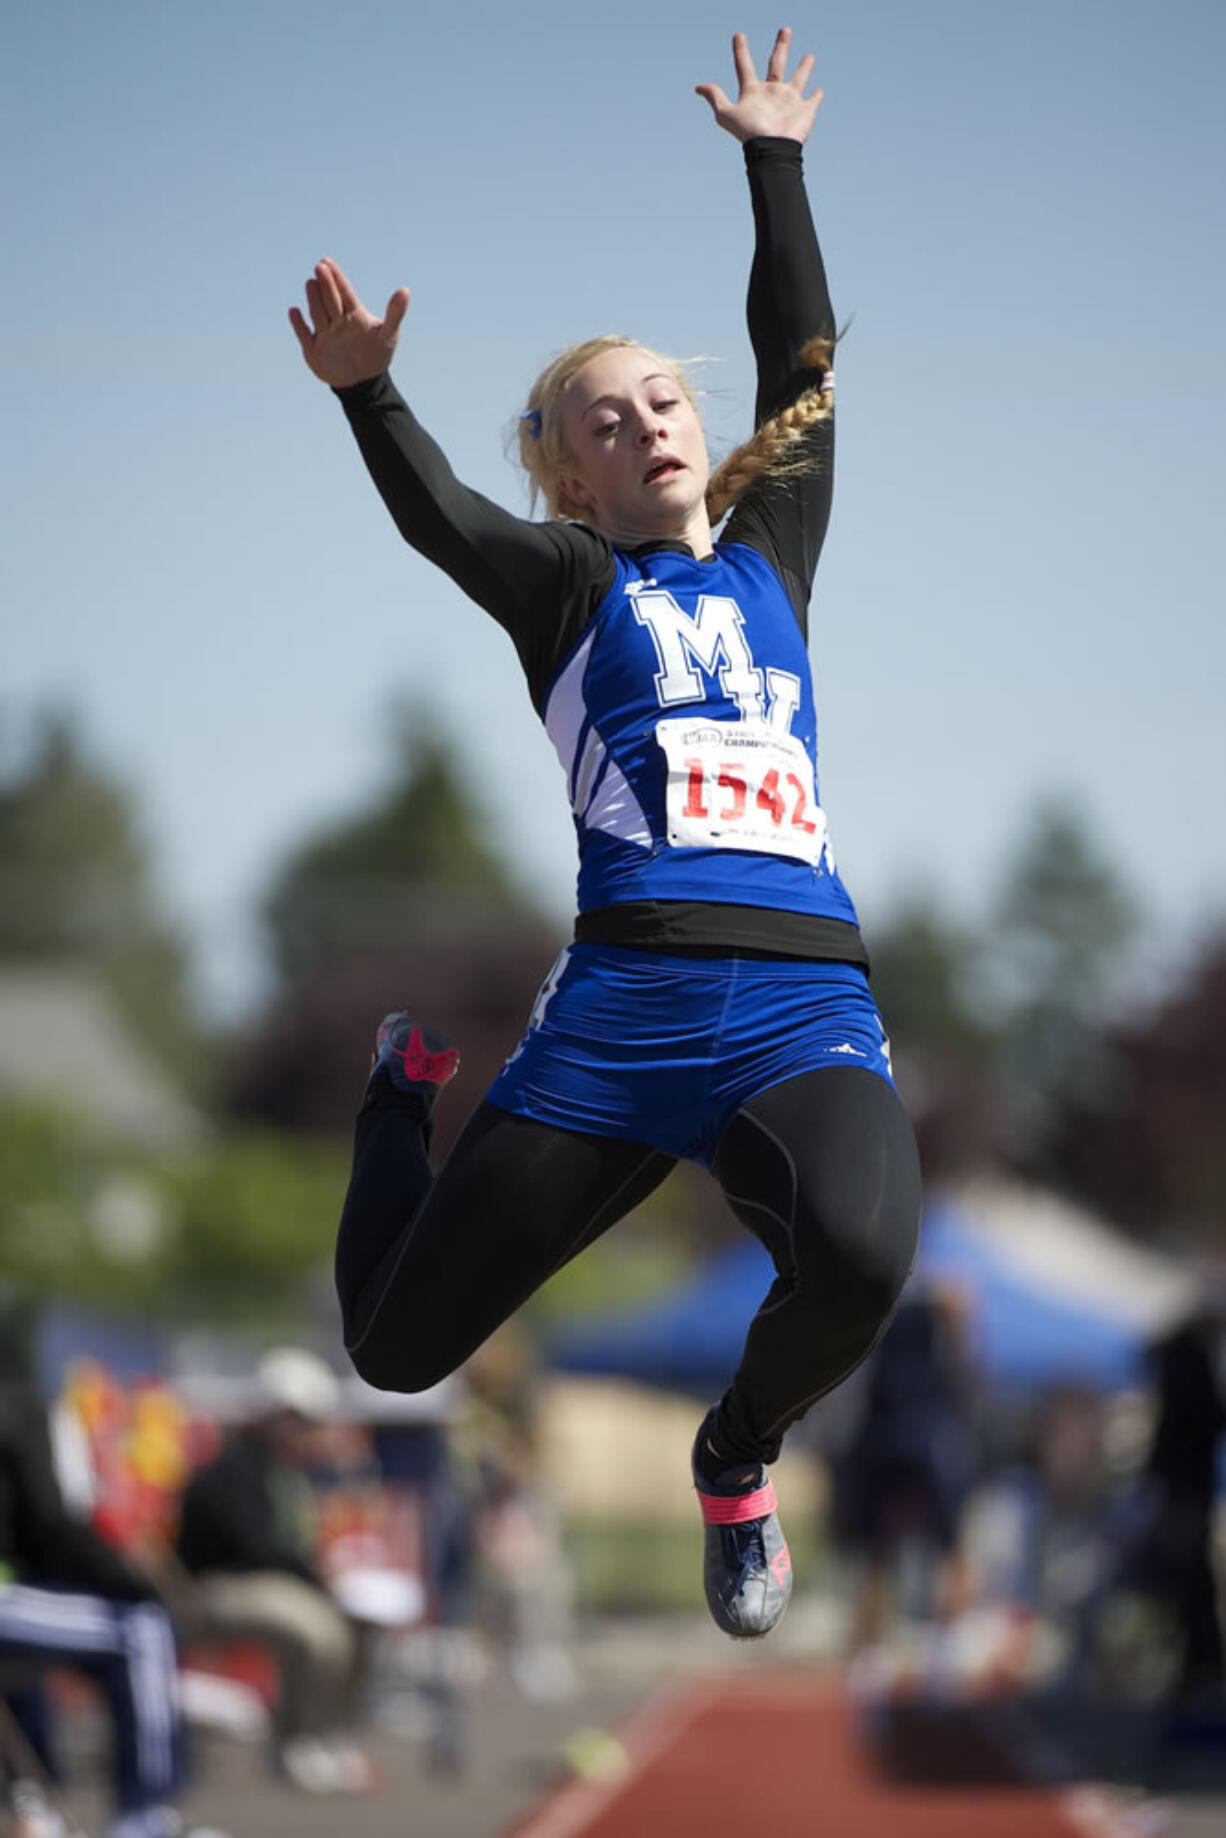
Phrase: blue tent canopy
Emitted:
{"points": [[1028, 1335], [1025, 1336], [688, 1340]]}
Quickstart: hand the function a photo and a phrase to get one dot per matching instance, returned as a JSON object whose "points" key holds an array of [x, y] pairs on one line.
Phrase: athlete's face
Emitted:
{"points": [[637, 457]]}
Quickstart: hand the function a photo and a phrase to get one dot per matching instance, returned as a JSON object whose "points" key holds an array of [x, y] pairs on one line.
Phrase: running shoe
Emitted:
{"points": [[747, 1570], [411, 1060]]}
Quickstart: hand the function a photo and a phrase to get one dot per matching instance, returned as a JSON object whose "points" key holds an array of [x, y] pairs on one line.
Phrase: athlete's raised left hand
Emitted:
{"points": [[774, 105], [348, 344]]}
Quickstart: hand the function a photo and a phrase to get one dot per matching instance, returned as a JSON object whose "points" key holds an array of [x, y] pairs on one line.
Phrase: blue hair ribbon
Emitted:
{"points": [[533, 417]]}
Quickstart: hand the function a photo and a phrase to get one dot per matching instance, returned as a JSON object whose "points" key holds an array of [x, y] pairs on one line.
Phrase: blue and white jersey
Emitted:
{"points": [[685, 724]]}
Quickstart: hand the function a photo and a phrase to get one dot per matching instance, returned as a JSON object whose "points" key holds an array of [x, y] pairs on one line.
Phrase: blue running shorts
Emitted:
{"points": [[665, 1050]]}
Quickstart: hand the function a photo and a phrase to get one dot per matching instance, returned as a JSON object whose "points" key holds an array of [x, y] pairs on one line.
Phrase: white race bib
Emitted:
{"points": [[740, 785]]}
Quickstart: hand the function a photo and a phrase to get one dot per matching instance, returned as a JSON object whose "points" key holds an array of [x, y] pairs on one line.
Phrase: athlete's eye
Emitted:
{"points": [[605, 428], [662, 408]]}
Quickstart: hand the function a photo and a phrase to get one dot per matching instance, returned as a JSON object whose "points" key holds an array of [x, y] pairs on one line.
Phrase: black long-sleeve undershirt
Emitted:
{"points": [[543, 581], [785, 519]]}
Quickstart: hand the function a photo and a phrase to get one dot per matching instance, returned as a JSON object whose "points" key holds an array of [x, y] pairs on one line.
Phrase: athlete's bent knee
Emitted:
{"points": [[395, 1367], [878, 1253]]}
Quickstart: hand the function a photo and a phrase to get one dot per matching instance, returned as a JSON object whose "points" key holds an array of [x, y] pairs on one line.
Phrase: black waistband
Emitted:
{"points": [[701, 928]]}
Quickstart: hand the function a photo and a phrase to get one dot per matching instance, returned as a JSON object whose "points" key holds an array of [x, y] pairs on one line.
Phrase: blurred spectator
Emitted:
{"points": [[1045, 1537], [246, 1536], [526, 1583], [1175, 1560], [68, 1599], [412, 1439], [901, 1480], [525, 1576]]}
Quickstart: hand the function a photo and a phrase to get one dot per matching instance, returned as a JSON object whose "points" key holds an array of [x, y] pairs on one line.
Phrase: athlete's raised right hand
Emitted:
{"points": [[348, 344]]}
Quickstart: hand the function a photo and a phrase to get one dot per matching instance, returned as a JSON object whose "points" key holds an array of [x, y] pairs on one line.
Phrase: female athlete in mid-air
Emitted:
{"points": [[715, 1003]]}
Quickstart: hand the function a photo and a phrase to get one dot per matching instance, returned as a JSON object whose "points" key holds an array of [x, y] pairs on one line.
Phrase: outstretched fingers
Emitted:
{"points": [[397, 307], [317, 305], [742, 61], [777, 66], [346, 293], [344, 342], [328, 289], [712, 93], [804, 70], [772, 106], [302, 331]]}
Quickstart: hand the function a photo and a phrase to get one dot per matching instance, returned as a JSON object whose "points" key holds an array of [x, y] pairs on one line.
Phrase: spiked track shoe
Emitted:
{"points": [[411, 1060], [747, 1569]]}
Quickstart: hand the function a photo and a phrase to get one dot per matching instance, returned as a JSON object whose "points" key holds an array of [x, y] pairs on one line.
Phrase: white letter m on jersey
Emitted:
{"points": [[713, 639]]}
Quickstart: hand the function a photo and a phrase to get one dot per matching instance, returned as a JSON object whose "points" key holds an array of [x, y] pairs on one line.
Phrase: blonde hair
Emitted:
{"points": [[772, 450]]}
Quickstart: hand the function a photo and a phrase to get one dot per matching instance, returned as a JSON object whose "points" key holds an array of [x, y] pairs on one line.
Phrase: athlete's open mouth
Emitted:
{"points": [[663, 468]]}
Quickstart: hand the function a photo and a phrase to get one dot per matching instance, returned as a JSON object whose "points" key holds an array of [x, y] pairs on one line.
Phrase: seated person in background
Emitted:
{"points": [[1175, 1560], [68, 1599], [1044, 1535], [246, 1537]]}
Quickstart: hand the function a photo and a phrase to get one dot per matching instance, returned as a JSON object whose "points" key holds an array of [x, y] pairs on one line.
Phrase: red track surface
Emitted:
{"points": [[788, 1757]]}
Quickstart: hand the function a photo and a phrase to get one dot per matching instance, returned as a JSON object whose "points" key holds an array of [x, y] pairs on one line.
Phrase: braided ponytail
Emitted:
{"points": [[772, 448]]}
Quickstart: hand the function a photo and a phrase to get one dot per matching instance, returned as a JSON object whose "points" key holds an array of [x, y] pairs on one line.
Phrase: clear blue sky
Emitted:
{"points": [[1021, 209]]}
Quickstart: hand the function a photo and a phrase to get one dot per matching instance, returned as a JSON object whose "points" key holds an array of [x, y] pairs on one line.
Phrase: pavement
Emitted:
{"points": [[1116, 1772]]}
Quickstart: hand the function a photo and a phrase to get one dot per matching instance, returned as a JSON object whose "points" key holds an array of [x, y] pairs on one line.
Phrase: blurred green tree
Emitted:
{"points": [[417, 851], [924, 967], [999, 1027], [238, 1230], [943, 1045], [252, 1227], [1154, 1153], [1055, 958], [76, 887]]}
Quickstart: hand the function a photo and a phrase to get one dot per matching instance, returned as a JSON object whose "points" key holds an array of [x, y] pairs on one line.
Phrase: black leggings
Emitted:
{"points": [[822, 1168]]}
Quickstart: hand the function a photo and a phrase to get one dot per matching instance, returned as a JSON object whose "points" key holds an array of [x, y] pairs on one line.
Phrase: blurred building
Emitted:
{"points": [[63, 1042]]}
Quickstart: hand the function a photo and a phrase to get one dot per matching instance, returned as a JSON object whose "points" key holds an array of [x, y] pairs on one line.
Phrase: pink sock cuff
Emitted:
{"points": [[735, 1508]]}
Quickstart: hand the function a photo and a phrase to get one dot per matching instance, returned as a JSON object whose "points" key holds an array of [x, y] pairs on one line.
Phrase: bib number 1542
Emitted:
{"points": [[736, 785]]}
